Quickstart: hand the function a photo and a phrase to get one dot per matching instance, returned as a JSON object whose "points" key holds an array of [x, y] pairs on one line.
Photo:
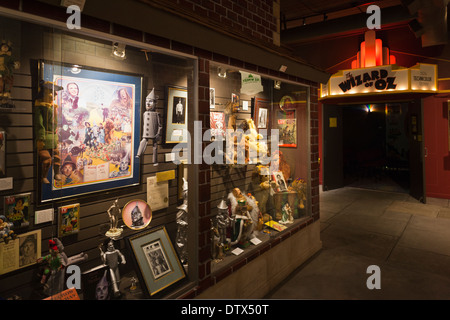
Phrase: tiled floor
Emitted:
{"points": [[409, 241]]}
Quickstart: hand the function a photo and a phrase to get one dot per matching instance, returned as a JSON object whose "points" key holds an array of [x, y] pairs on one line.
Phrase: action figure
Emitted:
{"points": [[7, 65], [5, 230], [45, 123], [152, 127], [114, 214], [182, 223], [112, 258], [220, 243]]}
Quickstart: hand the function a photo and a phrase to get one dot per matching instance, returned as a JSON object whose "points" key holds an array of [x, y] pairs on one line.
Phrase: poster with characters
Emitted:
{"points": [[217, 124]]}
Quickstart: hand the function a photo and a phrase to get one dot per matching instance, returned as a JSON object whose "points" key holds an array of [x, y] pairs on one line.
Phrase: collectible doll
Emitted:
{"points": [[7, 65], [152, 127], [45, 124], [5, 230], [112, 258]]}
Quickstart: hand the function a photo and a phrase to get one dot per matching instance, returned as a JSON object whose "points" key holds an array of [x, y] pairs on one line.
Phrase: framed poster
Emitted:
{"points": [[261, 113], [87, 130], [217, 124], [176, 114], [287, 128], [17, 209], [136, 214], [157, 261], [2, 154], [68, 220]]}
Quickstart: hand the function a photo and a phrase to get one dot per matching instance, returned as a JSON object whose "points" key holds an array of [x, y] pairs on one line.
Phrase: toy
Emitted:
{"points": [[112, 258], [5, 230], [7, 65], [220, 243], [45, 124], [152, 127], [114, 213], [244, 224]]}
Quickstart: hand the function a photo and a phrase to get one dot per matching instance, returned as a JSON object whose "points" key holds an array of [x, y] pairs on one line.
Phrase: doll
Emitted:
{"points": [[152, 127], [7, 65]]}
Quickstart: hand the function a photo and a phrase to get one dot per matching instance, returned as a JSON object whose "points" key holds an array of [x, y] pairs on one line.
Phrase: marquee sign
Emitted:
{"points": [[381, 80]]}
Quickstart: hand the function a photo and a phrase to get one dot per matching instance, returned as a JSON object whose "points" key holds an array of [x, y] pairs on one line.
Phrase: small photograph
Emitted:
{"points": [[279, 179], [179, 110], [157, 260], [2, 154], [137, 214], [262, 118], [17, 209], [212, 98], [96, 283], [69, 219]]}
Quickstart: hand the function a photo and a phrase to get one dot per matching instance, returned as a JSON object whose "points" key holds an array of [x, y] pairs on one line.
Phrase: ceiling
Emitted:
{"points": [[327, 33]]}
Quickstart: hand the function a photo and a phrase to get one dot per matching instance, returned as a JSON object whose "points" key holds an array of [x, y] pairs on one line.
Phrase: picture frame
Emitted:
{"points": [[95, 134], [217, 124], [158, 265], [176, 115], [137, 214], [2, 154], [278, 177], [212, 98], [68, 220], [17, 209], [261, 113]]}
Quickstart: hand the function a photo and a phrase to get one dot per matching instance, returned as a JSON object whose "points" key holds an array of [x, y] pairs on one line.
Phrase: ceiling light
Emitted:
{"points": [[221, 72], [118, 50], [277, 84], [76, 69]]}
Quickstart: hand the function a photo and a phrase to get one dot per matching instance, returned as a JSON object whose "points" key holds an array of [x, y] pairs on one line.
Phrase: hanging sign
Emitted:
{"points": [[250, 83]]}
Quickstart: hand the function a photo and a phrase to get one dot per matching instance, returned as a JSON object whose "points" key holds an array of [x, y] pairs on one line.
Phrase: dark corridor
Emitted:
{"points": [[376, 147]]}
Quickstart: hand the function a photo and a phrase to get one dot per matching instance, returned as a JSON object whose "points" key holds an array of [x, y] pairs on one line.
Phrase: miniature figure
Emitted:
{"points": [[133, 285], [287, 216], [114, 214], [7, 65], [5, 230], [182, 223], [152, 127], [220, 243], [112, 258], [45, 124]]}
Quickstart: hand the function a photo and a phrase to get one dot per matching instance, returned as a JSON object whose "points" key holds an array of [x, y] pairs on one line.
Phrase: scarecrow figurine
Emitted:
{"points": [[152, 127], [45, 124], [7, 65]]}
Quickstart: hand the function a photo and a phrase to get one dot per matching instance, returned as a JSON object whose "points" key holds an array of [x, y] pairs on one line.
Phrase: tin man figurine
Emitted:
{"points": [[112, 258], [152, 127]]}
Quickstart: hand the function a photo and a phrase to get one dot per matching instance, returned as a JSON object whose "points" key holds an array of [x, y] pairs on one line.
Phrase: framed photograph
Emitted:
{"points": [[136, 214], [17, 209], [279, 179], [287, 128], [212, 98], [159, 265], [176, 114], [261, 113], [68, 220], [94, 130], [21, 252], [96, 283], [217, 124], [2, 154]]}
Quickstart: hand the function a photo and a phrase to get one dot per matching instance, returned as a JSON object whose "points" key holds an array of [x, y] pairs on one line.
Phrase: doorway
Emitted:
{"points": [[374, 146]]}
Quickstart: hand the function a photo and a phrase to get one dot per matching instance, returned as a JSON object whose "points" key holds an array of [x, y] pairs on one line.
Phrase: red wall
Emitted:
{"points": [[437, 155]]}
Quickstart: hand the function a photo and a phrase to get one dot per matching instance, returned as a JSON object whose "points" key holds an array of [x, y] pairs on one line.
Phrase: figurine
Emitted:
{"points": [[182, 223], [287, 216], [220, 243], [5, 230], [152, 127], [112, 258], [240, 210], [7, 65], [114, 214], [133, 285], [45, 123]]}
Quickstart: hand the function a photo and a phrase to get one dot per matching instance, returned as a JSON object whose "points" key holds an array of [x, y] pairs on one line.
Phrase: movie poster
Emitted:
{"points": [[217, 124], [287, 128]]}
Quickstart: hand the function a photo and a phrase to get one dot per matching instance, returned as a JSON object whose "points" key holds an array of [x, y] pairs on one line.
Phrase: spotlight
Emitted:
{"points": [[118, 50], [76, 69], [277, 84], [221, 72]]}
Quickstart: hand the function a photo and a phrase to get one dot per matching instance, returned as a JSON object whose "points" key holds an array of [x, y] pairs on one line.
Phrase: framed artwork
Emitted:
{"points": [[21, 252], [17, 209], [287, 128], [2, 154], [137, 214], [159, 265], [217, 124], [87, 130], [176, 114], [212, 98], [235, 98], [279, 179], [68, 220], [261, 113], [96, 283]]}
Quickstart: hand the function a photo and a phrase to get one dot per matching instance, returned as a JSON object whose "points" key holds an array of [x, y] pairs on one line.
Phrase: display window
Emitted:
{"points": [[260, 177], [88, 182]]}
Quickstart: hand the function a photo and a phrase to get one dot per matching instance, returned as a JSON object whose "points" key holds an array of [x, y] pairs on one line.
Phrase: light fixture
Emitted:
{"points": [[277, 84], [221, 72], [118, 50], [76, 69], [283, 68]]}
